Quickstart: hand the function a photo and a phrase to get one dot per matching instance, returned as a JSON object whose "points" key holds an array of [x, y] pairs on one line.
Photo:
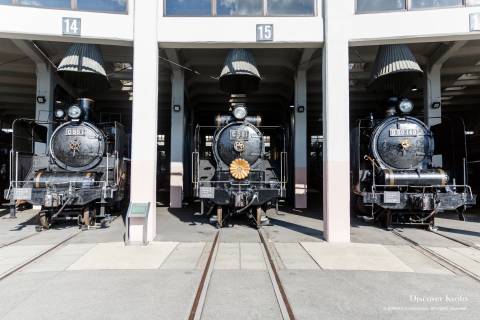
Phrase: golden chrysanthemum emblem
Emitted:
{"points": [[239, 169]]}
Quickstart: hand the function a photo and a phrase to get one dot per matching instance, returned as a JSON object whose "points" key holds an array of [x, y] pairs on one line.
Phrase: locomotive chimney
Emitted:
{"points": [[87, 106], [391, 107]]}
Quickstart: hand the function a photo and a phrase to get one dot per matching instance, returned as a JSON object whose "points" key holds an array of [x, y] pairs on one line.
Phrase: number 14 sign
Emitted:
{"points": [[71, 26]]}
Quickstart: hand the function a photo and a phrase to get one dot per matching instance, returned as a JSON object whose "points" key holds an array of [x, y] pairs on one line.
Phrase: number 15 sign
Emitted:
{"points": [[264, 32], [71, 26]]}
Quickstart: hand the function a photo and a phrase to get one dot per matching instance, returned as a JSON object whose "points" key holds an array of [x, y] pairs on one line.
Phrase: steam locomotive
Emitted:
{"points": [[394, 176], [81, 174], [239, 169]]}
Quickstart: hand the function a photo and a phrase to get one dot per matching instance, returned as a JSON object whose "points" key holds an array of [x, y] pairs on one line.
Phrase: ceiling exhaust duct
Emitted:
{"points": [[83, 68], [240, 74], [395, 69]]}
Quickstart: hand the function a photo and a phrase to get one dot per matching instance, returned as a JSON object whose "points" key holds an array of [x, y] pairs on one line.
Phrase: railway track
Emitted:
{"points": [[202, 289], [36, 257], [465, 243], [446, 263], [18, 240]]}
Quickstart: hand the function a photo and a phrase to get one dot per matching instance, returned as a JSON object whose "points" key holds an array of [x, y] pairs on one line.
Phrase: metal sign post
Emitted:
{"points": [[137, 220]]}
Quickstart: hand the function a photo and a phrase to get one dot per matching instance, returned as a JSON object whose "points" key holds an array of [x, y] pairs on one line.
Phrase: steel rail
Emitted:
{"points": [[284, 304], [43, 253], [199, 300], [447, 263], [465, 243], [18, 240]]}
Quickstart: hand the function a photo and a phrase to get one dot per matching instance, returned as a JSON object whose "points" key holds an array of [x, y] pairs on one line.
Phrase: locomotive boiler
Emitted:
{"points": [[237, 171], [81, 174], [394, 173]]}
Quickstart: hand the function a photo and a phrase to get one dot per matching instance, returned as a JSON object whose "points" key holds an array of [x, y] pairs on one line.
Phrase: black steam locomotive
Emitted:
{"points": [[240, 168], [394, 176], [81, 172]]}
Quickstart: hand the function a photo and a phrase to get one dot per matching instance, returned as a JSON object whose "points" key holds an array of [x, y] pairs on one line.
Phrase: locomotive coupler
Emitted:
{"points": [[240, 198], [52, 200]]}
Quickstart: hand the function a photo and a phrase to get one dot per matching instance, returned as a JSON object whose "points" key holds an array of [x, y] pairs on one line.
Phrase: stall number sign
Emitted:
{"points": [[71, 26], [475, 22], [264, 32]]}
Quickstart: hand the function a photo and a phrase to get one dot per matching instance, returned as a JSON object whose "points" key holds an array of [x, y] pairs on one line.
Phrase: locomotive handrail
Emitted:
{"points": [[195, 167]]}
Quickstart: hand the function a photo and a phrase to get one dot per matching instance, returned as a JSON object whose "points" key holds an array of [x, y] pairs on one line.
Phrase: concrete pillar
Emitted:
{"points": [[145, 112], [177, 139], [433, 83], [45, 90], [301, 139], [432, 94], [336, 128]]}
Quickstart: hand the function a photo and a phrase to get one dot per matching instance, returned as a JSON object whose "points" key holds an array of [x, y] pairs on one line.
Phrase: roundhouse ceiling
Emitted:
{"points": [[460, 77]]}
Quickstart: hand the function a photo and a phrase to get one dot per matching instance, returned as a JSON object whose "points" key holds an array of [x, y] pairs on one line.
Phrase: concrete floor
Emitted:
{"points": [[378, 276]]}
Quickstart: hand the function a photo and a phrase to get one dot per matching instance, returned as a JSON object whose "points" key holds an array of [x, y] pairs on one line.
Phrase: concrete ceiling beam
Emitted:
{"points": [[444, 52]]}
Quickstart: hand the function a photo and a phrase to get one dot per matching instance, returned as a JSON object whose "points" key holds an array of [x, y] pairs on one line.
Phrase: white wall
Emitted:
{"points": [[46, 24], [209, 32], [411, 26]]}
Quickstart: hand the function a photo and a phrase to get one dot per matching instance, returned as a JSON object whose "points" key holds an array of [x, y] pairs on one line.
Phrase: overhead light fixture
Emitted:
{"points": [[456, 88], [356, 67], [436, 105], [177, 108], [414, 89], [469, 76]]}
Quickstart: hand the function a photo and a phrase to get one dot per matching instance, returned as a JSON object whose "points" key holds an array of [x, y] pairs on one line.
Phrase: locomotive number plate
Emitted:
{"points": [[239, 135], [75, 132], [403, 132], [392, 197], [22, 193], [207, 192]]}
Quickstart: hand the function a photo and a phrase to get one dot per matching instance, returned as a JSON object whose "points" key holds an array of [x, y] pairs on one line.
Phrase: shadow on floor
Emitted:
{"points": [[460, 231], [187, 215]]}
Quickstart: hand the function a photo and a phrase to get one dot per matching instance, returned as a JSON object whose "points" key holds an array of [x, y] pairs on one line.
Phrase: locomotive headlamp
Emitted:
{"points": [[240, 113], [59, 114], [74, 112], [405, 106]]}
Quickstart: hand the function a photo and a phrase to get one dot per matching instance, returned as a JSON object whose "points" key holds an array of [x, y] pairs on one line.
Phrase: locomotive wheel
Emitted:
{"points": [[461, 213], [258, 216], [86, 219], [93, 217], [359, 206], [219, 217], [43, 221]]}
